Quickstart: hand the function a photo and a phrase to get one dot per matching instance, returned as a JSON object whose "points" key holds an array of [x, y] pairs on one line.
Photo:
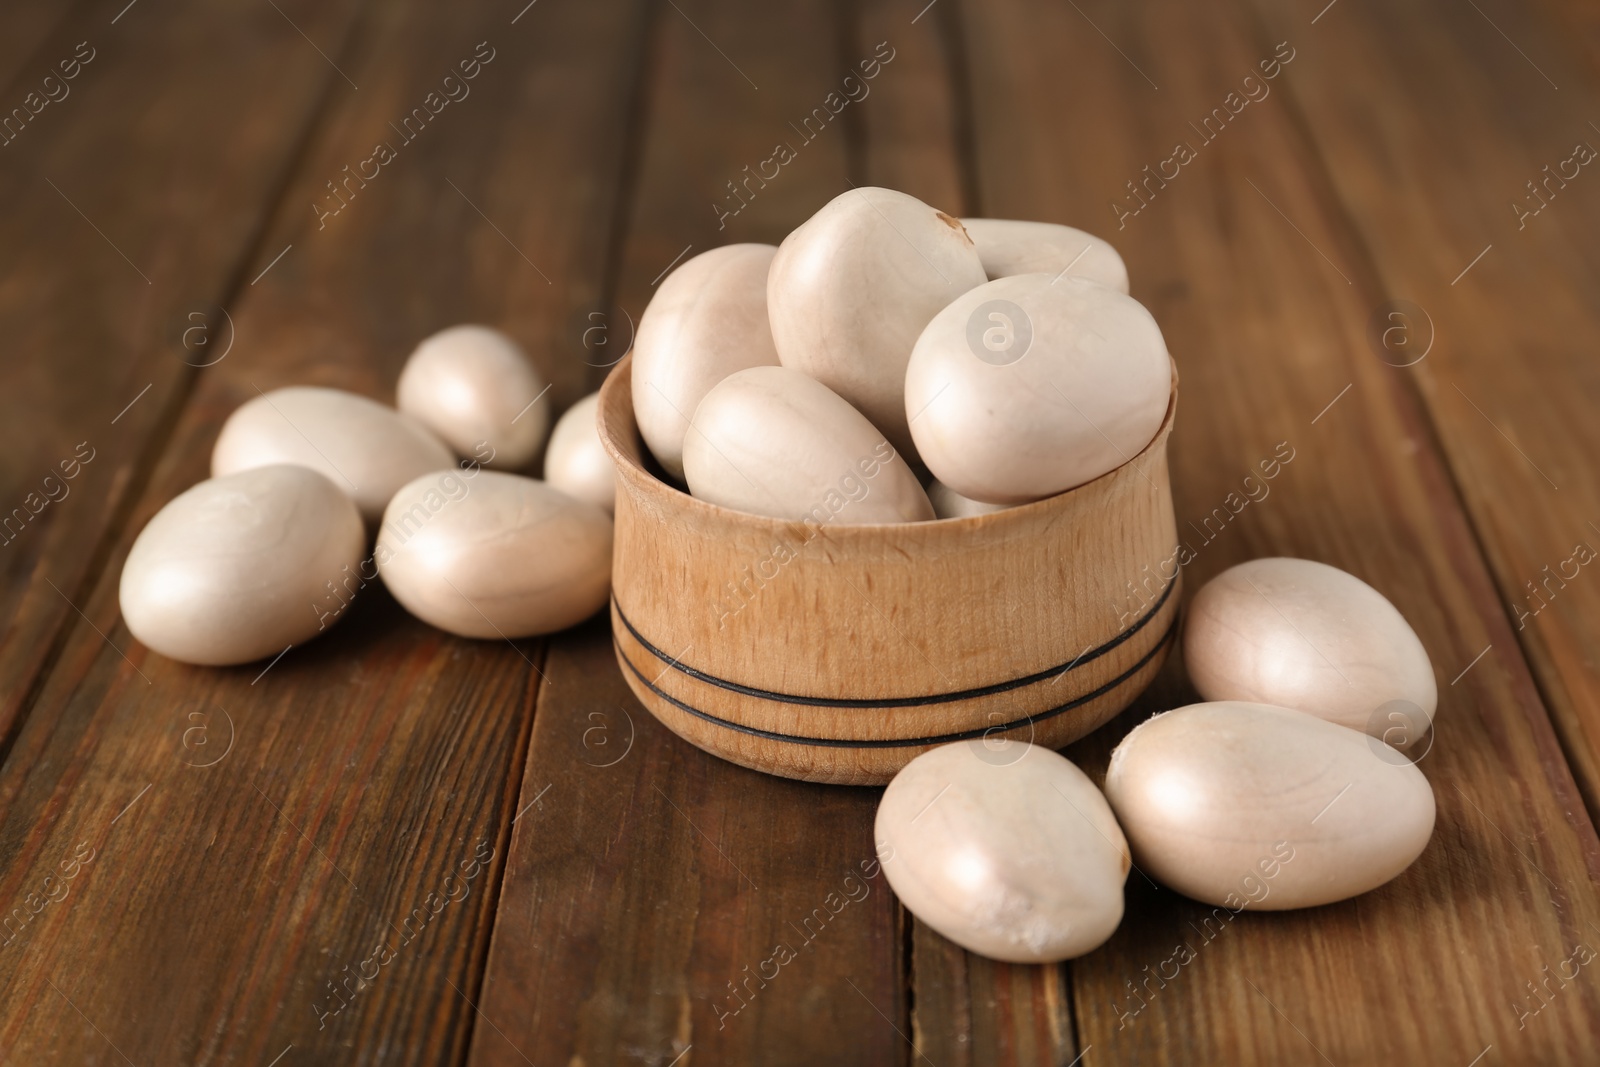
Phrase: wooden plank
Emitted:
{"points": [[1510, 394], [654, 893], [972, 1010], [1265, 303], [709, 128], [22, 68], [1575, 17], [914, 130], [659, 902], [123, 246], [327, 881], [965, 1008]]}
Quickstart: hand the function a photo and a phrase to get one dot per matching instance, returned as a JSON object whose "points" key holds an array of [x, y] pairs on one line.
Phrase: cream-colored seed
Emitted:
{"points": [[576, 462], [772, 441], [851, 289], [1006, 849], [707, 320], [488, 554], [1031, 385], [476, 389], [366, 449], [949, 504], [239, 567], [1009, 246], [1249, 805], [1302, 634]]}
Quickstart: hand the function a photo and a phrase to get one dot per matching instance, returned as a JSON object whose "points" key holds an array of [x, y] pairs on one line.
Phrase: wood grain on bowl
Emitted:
{"points": [[838, 653]]}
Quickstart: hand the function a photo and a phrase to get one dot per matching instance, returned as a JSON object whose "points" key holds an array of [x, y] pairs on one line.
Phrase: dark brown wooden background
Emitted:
{"points": [[256, 835]]}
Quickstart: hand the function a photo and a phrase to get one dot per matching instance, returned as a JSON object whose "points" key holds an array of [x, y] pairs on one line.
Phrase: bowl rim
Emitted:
{"points": [[635, 471]]}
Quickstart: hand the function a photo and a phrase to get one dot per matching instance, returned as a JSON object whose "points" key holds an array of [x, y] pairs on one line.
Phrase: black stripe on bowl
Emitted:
{"points": [[897, 702], [904, 742]]}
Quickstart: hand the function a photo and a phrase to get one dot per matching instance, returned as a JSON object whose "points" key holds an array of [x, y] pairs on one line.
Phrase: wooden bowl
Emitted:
{"points": [[837, 653]]}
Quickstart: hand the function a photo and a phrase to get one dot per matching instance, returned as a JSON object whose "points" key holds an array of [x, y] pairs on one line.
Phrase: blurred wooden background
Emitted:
{"points": [[393, 846]]}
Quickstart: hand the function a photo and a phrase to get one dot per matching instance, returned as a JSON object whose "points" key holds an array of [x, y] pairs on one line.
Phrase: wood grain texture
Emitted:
{"points": [[1248, 270], [328, 881], [917, 138], [659, 902], [972, 1010], [1509, 383], [255, 836], [646, 907], [130, 236], [914, 129]]}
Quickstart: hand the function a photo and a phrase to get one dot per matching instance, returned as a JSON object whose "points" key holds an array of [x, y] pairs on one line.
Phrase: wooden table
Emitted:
{"points": [[392, 846]]}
